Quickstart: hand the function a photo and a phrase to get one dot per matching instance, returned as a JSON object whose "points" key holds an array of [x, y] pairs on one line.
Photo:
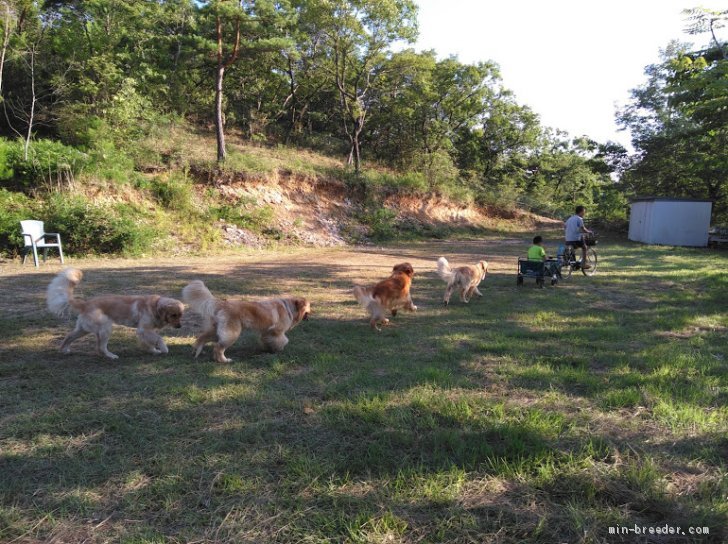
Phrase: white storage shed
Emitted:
{"points": [[670, 221]]}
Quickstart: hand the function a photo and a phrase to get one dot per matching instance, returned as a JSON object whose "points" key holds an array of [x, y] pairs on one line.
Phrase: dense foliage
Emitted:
{"points": [[679, 121], [96, 78]]}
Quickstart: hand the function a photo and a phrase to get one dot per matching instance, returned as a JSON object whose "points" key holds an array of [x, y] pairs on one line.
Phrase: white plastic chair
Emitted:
{"points": [[34, 238]]}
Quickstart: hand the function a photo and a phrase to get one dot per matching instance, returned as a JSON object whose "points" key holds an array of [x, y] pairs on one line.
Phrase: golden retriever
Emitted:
{"points": [[390, 294], [97, 315], [226, 319], [464, 278]]}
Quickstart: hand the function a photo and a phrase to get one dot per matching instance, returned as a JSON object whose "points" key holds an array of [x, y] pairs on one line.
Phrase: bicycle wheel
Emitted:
{"points": [[591, 260], [566, 267]]}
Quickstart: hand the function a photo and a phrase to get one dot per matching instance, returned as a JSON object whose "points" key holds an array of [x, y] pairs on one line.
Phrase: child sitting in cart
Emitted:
{"points": [[537, 253]]}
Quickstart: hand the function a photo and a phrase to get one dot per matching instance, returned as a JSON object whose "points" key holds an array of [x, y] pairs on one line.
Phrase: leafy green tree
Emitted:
{"points": [[358, 35], [424, 107], [240, 29], [510, 133], [679, 125], [306, 68]]}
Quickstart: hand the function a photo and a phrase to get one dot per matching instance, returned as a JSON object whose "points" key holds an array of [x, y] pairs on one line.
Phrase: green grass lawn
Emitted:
{"points": [[540, 415]]}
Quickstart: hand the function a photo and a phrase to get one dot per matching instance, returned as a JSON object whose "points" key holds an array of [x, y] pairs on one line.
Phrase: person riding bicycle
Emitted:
{"points": [[574, 231]]}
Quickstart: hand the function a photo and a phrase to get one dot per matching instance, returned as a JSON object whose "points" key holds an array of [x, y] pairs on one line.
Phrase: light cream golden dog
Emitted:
{"points": [[226, 319], [98, 314], [390, 294], [464, 278]]}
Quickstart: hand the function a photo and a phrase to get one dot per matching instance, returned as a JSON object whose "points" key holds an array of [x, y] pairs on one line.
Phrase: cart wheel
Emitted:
{"points": [[519, 280], [554, 281], [539, 282]]}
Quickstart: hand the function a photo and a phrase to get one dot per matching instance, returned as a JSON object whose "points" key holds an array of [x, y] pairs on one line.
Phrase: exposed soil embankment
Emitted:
{"points": [[328, 212]]}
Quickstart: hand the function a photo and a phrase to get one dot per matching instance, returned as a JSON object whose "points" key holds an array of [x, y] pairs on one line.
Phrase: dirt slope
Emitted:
{"points": [[326, 212]]}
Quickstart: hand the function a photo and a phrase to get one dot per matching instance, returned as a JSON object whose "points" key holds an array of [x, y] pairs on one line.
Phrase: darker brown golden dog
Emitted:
{"points": [[390, 294]]}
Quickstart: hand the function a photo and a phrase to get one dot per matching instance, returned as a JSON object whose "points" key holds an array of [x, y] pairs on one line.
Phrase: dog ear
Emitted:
{"points": [[302, 308]]}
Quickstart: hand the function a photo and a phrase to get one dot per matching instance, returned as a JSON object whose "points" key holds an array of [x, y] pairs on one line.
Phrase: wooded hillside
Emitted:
{"points": [[84, 84]]}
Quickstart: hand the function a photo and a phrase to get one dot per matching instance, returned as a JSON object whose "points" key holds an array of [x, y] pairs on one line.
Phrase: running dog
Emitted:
{"points": [[390, 294], [226, 319], [464, 278], [97, 315]]}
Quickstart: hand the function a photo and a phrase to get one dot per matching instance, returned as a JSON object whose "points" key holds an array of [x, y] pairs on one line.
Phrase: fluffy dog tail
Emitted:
{"points": [[443, 269], [363, 295], [199, 299], [59, 295]]}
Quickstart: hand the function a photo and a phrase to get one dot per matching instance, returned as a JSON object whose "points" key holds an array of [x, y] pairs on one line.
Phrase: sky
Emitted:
{"points": [[572, 61]]}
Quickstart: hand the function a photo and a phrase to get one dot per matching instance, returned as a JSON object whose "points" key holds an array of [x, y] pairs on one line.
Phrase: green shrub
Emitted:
{"points": [[114, 131], [384, 182], [79, 127], [503, 196], [459, 192], [86, 228], [14, 208], [381, 222], [258, 219], [412, 182], [437, 168], [129, 113], [110, 163], [6, 171], [132, 236], [48, 162], [174, 192]]}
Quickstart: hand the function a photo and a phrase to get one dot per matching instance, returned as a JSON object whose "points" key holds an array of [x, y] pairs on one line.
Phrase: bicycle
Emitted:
{"points": [[570, 262]]}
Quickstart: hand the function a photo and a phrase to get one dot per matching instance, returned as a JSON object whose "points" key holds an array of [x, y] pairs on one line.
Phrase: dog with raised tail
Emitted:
{"points": [[224, 320], [390, 294], [97, 315], [463, 278]]}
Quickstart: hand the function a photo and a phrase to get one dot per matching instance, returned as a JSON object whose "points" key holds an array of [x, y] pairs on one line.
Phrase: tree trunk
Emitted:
{"points": [[717, 43], [219, 123], [32, 103], [6, 41], [222, 64], [357, 154]]}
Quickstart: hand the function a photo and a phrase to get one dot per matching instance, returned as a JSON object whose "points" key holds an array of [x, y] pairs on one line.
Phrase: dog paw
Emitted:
{"points": [[111, 355]]}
